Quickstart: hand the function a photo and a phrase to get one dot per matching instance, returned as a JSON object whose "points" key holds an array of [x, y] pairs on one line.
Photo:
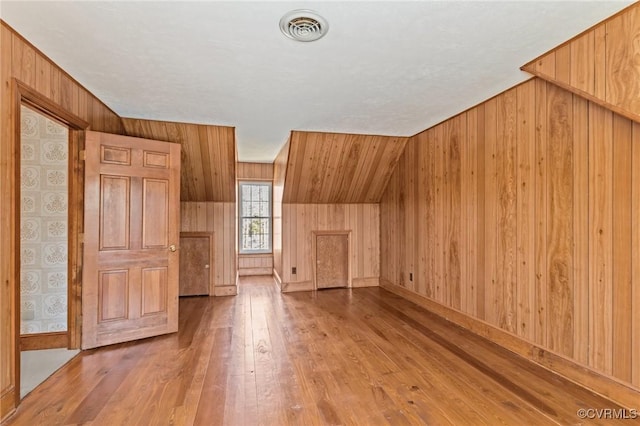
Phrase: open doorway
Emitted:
{"points": [[45, 176]]}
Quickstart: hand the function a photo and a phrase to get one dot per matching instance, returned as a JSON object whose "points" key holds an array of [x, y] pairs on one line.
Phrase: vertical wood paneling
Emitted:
{"points": [[279, 171], [481, 281], [600, 64], [560, 218], [582, 52], [300, 220], [255, 171], [635, 255], [220, 219], [454, 132], [470, 202], [426, 212], [20, 60], [601, 243], [539, 188], [540, 230], [208, 156], [563, 63], [409, 254], [506, 219], [622, 292], [526, 152], [622, 70], [441, 291], [581, 229], [493, 293], [7, 227], [600, 61], [339, 168]]}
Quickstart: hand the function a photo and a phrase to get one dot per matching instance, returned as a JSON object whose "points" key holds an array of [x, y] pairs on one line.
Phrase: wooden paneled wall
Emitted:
{"points": [[255, 171], [279, 173], [219, 218], [334, 168], [600, 64], [524, 213], [208, 156], [21, 61], [255, 264], [300, 220]]}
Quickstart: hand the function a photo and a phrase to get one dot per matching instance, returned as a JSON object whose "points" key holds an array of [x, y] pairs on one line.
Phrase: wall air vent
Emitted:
{"points": [[303, 25]]}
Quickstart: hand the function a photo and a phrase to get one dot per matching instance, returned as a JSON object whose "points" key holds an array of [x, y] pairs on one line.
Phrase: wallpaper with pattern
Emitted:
{"points": [[43, 224]]}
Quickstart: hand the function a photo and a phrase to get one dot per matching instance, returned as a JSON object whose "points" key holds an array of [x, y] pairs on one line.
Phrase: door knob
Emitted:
{"points": [[172, 247]]}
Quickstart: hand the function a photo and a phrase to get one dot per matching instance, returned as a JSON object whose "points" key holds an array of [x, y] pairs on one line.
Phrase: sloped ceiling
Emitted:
{"points": [[601, 64], [208, 156], [385, 67], [339, 168]]}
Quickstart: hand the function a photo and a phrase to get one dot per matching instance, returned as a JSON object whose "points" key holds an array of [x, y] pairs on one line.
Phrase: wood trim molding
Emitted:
{"points": [[25, 95], [7, 403], [46, 106], [277, 279], [226, 290], [620, 111], [34, 342], [609, 387], [249, 272], [365, 282], [298, 286]]}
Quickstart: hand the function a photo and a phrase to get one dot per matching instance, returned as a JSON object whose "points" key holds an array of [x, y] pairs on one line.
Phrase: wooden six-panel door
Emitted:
{"points": [[132, 217]]}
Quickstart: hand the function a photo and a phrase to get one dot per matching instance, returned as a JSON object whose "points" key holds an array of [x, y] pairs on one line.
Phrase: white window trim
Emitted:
{"points": [[255, 182]]}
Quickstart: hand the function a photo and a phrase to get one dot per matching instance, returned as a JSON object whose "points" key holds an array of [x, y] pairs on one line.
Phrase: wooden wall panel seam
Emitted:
{"points": [[551, 205]]}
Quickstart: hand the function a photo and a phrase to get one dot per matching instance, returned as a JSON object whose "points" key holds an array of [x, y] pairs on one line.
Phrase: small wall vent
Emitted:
{"points": [[303, 25]]}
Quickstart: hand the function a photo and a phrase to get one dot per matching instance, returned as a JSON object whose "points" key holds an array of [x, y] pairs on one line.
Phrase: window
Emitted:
{"points": [[255, 217]]}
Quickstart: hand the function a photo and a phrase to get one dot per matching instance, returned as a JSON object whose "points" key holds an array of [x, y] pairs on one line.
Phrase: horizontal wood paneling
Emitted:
{"points": [[600, 64], [208, 156], [333, 168], [530, 196], [255, 171], [220, 219], [255, 264], [300, 220], [21, 61]]}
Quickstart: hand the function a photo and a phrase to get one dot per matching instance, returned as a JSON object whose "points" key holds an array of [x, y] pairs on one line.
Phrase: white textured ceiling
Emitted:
{"points": [[385, 67]]}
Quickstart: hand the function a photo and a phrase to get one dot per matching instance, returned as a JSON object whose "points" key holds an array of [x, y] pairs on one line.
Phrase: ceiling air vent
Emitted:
{"points": [[303, 25]]}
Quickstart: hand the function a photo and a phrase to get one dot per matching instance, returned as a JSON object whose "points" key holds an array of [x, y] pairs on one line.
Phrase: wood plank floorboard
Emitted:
{"points": [[333, 357]]}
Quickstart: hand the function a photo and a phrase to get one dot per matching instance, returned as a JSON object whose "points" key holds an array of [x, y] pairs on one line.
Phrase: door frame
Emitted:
{"points": [[25, 95], [314, 254]]}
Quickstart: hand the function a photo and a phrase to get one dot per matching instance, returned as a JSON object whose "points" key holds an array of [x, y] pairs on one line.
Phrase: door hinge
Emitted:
{"points": [[83, 155]]}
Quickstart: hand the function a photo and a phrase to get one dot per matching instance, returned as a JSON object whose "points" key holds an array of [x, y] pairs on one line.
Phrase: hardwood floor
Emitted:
{"points": [[361, 357]]}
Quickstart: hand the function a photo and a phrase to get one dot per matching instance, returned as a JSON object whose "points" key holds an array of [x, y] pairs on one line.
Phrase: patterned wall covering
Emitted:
{"points": [[43, 224]]}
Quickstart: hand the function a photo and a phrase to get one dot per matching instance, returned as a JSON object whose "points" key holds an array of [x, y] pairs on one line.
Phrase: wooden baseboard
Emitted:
{"points": [[298, 286], [225, 290], [277, 278], [365, 282], [36, 342], [7, 403], [244, 272], [622, 393]]}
